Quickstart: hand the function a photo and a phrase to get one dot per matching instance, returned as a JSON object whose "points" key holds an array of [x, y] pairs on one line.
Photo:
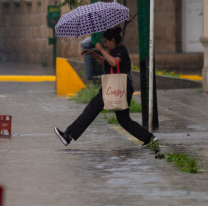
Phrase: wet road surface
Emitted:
{"points": [[104, 167]]}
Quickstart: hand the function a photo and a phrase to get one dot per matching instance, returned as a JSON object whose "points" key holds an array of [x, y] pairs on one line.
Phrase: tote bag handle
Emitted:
{"points": [[118, 69]]}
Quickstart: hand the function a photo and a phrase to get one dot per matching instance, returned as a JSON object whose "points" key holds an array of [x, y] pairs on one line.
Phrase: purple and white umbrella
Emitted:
{"points": [[91, 19]]}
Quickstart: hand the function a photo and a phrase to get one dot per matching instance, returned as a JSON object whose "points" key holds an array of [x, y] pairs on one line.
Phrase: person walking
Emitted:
{"points": [[112, 40]]}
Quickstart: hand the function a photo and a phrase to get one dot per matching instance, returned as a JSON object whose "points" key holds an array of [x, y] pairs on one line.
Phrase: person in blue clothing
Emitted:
{"points": [[112, 51]]}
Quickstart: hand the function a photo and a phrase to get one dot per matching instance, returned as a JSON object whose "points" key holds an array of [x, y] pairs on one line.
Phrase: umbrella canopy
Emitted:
{"points": [[90, 19]]}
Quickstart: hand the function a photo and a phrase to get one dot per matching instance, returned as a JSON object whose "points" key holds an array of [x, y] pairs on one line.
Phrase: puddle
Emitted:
{"points": [[25, 135]]}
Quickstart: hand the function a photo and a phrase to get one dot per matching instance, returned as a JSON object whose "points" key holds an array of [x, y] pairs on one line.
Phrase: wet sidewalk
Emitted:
{"points": [[105, 166]]}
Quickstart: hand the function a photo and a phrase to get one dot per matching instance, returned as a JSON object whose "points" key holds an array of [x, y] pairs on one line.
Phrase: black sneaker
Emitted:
{"points": [[62, 136], [152, 141]]}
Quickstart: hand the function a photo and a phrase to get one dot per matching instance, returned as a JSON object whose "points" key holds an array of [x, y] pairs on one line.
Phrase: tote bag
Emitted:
{"points": [[114, 90]]}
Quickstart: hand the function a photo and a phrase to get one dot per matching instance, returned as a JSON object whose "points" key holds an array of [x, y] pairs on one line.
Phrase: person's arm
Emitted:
{"points": [[110, 59], [99, 59]]}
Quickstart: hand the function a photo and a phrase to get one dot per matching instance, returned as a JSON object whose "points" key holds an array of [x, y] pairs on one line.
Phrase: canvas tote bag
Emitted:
{"points": [[114, 89]]}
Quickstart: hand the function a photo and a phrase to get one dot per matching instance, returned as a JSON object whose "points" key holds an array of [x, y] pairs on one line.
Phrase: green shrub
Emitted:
{"points": [[86, 94]]}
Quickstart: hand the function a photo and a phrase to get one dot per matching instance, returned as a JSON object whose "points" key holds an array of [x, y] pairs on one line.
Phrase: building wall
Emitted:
{"points": [[24, 33], [168, 21], [167, 26]]}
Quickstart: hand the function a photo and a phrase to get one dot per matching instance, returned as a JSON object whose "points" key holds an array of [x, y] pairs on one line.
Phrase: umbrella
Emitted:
{"points": [[91, 19]]}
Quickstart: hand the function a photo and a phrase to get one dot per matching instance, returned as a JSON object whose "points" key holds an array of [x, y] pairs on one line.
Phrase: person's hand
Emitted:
{"points": [[98, 46], [86, 52]]}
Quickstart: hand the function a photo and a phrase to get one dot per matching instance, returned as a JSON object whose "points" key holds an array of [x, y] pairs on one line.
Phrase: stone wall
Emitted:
{"points": [[24, 33], [167, 27]]}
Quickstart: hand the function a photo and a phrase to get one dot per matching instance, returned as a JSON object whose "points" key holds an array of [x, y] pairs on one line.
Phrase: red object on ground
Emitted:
{"points": [[5, 123], [1, 196]]}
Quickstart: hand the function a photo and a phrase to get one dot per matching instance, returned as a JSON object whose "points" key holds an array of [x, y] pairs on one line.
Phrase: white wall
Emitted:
{"points": [[192, 26]]}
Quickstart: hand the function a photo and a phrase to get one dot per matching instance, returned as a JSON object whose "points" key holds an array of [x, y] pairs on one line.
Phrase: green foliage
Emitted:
{"points": [[72, 3], [105, 111], [82, 73], [135, 107], [160, 156], [184, 162], [44, 61], [111, 119], [199, 90], [135, 68], [86, 94], [155, 147]]}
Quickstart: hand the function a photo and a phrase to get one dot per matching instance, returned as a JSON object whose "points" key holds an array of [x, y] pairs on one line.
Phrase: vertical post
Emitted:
{"points": [[143, 21], [143, 10], [96, 37], [54, 49], [151, 65]]}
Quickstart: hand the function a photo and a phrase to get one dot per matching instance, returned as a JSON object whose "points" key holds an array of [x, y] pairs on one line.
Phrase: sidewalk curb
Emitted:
{"points": [[164, 82]]}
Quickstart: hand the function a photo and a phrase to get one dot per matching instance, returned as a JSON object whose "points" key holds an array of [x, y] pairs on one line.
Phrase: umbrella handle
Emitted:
{"points": [[93, 28]]}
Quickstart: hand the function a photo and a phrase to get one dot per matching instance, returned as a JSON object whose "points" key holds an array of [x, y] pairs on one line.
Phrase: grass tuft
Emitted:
{"points": [[134, 107], [111, 119], [199, 90], [184, 162], [155, 147], [86, 94]]}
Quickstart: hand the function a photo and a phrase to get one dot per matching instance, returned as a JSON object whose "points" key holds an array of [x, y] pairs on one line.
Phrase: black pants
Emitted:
{"points": [[95, 107]]}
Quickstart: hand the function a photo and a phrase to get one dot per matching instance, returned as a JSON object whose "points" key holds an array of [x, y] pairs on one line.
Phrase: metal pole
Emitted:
{"points": [[151, 64], [54, 49]]}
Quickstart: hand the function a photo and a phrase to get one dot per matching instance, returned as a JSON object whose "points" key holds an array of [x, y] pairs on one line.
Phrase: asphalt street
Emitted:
{"points": [[106, 166]]}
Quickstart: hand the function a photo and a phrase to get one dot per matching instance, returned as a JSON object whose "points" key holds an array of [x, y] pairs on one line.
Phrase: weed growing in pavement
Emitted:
{"points": [[106, 111], [86, 94], [111, 119], [135, 68], [134, 107], [82, 73], [184, 162], [199, 90], [155, 147]]}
